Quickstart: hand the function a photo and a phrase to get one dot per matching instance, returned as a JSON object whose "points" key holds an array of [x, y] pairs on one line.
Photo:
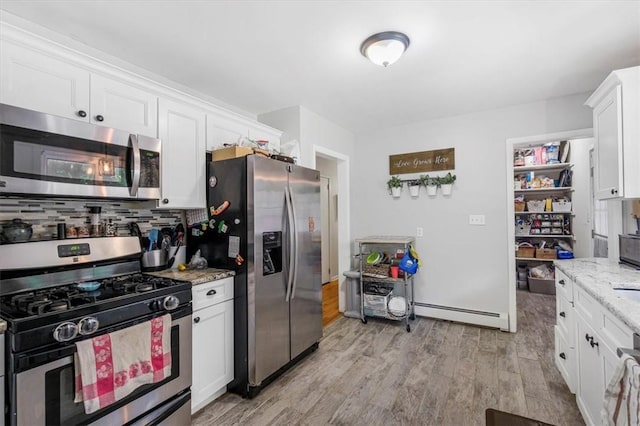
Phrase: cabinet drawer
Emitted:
{"points": [[566, 359], [564, 285], [211, 293], [615, 333], [565, 319], [588, 308]]}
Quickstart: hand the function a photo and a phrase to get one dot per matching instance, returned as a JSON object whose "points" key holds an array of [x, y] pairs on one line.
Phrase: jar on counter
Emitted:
{"points": [[110, 229], [95, 229]]}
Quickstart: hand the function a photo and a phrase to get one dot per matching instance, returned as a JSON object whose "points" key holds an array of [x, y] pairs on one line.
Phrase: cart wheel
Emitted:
{"points": [[408, 328], [412, 317], [364, 320]]}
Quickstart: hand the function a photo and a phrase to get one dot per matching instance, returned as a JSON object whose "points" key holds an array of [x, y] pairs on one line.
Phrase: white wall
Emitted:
{"points": [[319, 136], [463, 266]]}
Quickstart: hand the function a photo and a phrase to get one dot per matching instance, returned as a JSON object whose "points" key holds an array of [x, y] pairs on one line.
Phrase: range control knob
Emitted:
{"points": [[170, 303], [65, 332], [88, 325]]}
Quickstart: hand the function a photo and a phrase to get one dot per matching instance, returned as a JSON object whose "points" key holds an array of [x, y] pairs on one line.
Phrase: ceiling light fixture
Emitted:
{"points": [[384, 48]]}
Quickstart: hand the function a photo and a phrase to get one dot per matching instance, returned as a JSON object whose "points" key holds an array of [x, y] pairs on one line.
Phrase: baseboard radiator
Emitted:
{"points": [[450, 313]]}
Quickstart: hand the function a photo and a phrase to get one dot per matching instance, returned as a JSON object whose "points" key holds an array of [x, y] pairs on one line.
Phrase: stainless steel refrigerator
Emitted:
{"points": [[265, 224]]}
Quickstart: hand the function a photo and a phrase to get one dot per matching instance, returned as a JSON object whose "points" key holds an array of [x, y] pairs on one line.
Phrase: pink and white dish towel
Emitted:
{"points": [[622, 396], [111, 366]]}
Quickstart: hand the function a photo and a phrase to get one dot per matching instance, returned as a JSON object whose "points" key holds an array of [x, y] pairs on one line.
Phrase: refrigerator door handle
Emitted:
{"points": [[287, 201], [295, 244]]}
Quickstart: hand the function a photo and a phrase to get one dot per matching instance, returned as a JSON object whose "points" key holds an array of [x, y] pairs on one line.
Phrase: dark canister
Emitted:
{"points": [[62, 231]]}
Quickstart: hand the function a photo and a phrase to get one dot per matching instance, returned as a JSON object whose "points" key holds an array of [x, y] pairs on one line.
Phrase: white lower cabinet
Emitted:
{"points": [[590, 393], [598, 334], [212, 352]]}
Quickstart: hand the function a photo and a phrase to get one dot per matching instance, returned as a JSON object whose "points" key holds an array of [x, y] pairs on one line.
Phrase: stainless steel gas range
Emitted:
{"points": [[49, 303]]}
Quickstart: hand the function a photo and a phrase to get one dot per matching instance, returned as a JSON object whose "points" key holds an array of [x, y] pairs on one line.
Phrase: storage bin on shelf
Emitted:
{"points": [[523, 229], [561, 206], [378, 271], [519, 206], [535, 205], [375, 305], [525, 250], [544, 253], [540, 285]]}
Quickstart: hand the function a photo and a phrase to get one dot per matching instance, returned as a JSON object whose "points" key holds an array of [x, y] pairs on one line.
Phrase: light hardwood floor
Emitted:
{"points": [[442, 373], [330, 310]]}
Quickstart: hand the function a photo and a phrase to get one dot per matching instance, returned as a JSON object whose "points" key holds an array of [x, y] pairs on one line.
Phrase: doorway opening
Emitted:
{"points": [[336, 244], [539, 226]]}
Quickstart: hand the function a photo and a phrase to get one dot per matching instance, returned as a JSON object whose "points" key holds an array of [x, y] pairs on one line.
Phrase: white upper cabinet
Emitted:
{"points": [[616, 108], [33, 80], [225, 128], [43, 83], [222, 129], [118, 105], [181, 128]]}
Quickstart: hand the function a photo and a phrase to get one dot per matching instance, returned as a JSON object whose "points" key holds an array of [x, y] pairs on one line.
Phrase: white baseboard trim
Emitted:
{"points": [[486, 319]]}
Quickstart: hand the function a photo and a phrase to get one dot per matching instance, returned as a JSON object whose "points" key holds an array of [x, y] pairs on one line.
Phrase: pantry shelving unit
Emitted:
{"points": [[377, 305], [535, 227]]}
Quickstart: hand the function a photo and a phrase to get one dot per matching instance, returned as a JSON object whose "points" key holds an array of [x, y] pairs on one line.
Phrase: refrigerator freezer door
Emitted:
{"points": [[268, 312], [306, 295]]}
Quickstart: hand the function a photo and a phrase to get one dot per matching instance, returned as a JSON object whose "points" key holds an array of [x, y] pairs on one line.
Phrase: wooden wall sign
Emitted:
{"points": [[425, 161]]}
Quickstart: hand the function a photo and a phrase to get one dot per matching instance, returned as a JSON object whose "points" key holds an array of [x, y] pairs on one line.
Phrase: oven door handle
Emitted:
{"points": [[135, 173]]}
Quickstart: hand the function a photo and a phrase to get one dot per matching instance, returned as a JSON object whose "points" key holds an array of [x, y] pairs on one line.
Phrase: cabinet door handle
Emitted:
{"points": [[82, 113], [562, 355], [588, 338], [211, 292], [99, 118], [562, 314], [196, 320], [561, 282], [614, 191], [594, 343], [165, 201]]}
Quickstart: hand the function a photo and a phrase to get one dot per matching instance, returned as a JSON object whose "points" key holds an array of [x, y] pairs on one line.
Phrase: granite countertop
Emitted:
{"points": [[196, 276], [3, 326], [598, 277]]}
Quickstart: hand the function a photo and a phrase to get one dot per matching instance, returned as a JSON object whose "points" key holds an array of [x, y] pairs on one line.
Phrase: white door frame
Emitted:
{"points": [[511, 144], [344, 227]]}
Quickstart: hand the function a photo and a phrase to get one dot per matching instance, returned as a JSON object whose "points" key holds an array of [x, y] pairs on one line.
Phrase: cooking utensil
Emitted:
{"points": [[17, 231], [153, 239], [173, 258]]}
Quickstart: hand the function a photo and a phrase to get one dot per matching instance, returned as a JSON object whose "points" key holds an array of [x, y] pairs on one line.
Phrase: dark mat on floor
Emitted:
{"points": [[500, 418]]}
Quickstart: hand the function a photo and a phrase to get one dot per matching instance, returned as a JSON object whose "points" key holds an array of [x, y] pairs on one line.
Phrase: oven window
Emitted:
{"points": [[60, 391]]}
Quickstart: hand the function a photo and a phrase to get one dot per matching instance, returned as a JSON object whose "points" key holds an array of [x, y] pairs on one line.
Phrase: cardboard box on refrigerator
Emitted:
{"points": [[230, 152]]}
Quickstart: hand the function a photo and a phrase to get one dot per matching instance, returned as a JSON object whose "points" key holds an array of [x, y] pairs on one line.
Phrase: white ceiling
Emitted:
{"points": [[265, 55]]}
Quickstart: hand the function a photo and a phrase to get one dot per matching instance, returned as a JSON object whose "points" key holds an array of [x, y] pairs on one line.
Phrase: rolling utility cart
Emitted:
{"points": [[386, 292]]}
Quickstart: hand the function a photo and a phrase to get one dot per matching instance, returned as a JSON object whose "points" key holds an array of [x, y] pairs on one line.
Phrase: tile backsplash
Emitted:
{"points": [[44, 214]]}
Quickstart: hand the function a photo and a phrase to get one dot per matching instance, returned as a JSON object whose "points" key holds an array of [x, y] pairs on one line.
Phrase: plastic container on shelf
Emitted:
{"points": [[561, 206]]}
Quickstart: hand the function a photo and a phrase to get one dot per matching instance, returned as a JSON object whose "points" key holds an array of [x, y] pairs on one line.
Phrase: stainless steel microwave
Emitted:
{"points": [[48, 155]]}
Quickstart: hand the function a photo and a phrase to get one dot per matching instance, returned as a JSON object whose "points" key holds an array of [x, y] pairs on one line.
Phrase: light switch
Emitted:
{"points": [[419, 232], [476, 219]]}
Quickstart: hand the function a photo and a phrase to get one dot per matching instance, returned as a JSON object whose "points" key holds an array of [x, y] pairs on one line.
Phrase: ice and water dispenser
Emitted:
{"points": [[272, 253]]}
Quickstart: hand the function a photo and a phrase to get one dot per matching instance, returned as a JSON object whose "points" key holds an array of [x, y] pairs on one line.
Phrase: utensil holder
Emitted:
{"points": [[155, 260]]}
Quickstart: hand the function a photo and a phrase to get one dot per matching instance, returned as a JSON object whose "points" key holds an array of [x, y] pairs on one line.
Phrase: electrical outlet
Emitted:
{"points": [[476, 219], [419, 231]]}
